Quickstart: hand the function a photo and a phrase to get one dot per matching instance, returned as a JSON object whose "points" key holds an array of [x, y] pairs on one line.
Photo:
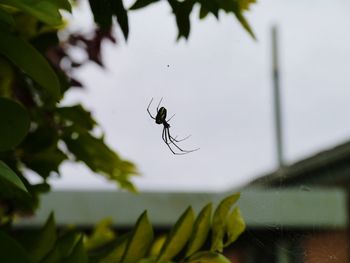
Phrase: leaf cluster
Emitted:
{"points": [[183, 9], [187, 240], [192, 239], [37, 133]]}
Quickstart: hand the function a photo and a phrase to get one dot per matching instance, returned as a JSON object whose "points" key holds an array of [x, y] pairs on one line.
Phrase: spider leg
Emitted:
{"points": [[180, 140], [171, 139], [170, 118], [166, 136], [149, 111], [165, 139], [175, 139], [163, 136], [159, 104]]}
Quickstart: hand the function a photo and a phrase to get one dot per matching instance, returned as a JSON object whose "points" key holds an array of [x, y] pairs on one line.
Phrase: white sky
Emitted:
{"points": [[218, 83]]}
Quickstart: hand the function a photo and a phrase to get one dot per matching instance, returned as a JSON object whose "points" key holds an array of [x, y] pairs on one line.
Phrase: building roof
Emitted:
{"points": [[327, 168], [296, 208]]}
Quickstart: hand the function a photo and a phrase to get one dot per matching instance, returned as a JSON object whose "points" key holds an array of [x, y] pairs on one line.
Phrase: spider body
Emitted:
{"points": [[160, 118]]}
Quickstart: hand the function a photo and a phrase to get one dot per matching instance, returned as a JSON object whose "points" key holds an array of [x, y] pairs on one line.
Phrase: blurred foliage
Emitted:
{"points": [[38, 134], [183, 9], [184, 242]]}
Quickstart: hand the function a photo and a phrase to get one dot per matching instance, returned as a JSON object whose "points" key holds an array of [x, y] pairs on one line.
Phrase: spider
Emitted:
{"points": [[160, 118]]}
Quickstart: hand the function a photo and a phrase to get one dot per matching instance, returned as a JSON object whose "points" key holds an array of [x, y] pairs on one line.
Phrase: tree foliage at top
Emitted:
{"points": [[181, 10]]}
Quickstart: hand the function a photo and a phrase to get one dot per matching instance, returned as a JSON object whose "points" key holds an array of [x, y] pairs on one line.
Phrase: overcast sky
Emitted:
{"points": [[218, 84]]}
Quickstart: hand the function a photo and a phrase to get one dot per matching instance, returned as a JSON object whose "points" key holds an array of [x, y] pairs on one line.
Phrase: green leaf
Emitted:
{"points": [[235, 226], [200, 230], [44, 42], [7, 78], [64, 247], [78, 254], [46, 11], [142, 3], [101, 235], [245, 24], [7, 174], [208, 257], [237, 7], [14, 191], [203, 12], [14, 121], [245, 4], [111, 252], [220, 221], [157, 245], [140, 241], [209, 6], [44, 241], [41, 139], [125, 184], [6, 19], [11, 251], [119, 246], [182, 11], [98, 157], [103, 12], [41, 188], [67, 242], [178, 236], [76, 115], [45, 162], [122, 16], [54, 256], [149, 260], [28, 59], [62, 4]]}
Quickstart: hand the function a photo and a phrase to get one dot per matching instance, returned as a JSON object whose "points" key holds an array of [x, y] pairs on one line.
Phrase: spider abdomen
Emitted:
{"points": [[161, 116]]}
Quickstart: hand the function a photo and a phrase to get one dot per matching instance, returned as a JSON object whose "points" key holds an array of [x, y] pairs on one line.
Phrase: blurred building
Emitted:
{"points": [[320, 241]]}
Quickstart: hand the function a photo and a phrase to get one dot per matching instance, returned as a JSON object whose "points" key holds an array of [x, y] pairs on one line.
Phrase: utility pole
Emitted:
{"points": [[277, 97]]}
